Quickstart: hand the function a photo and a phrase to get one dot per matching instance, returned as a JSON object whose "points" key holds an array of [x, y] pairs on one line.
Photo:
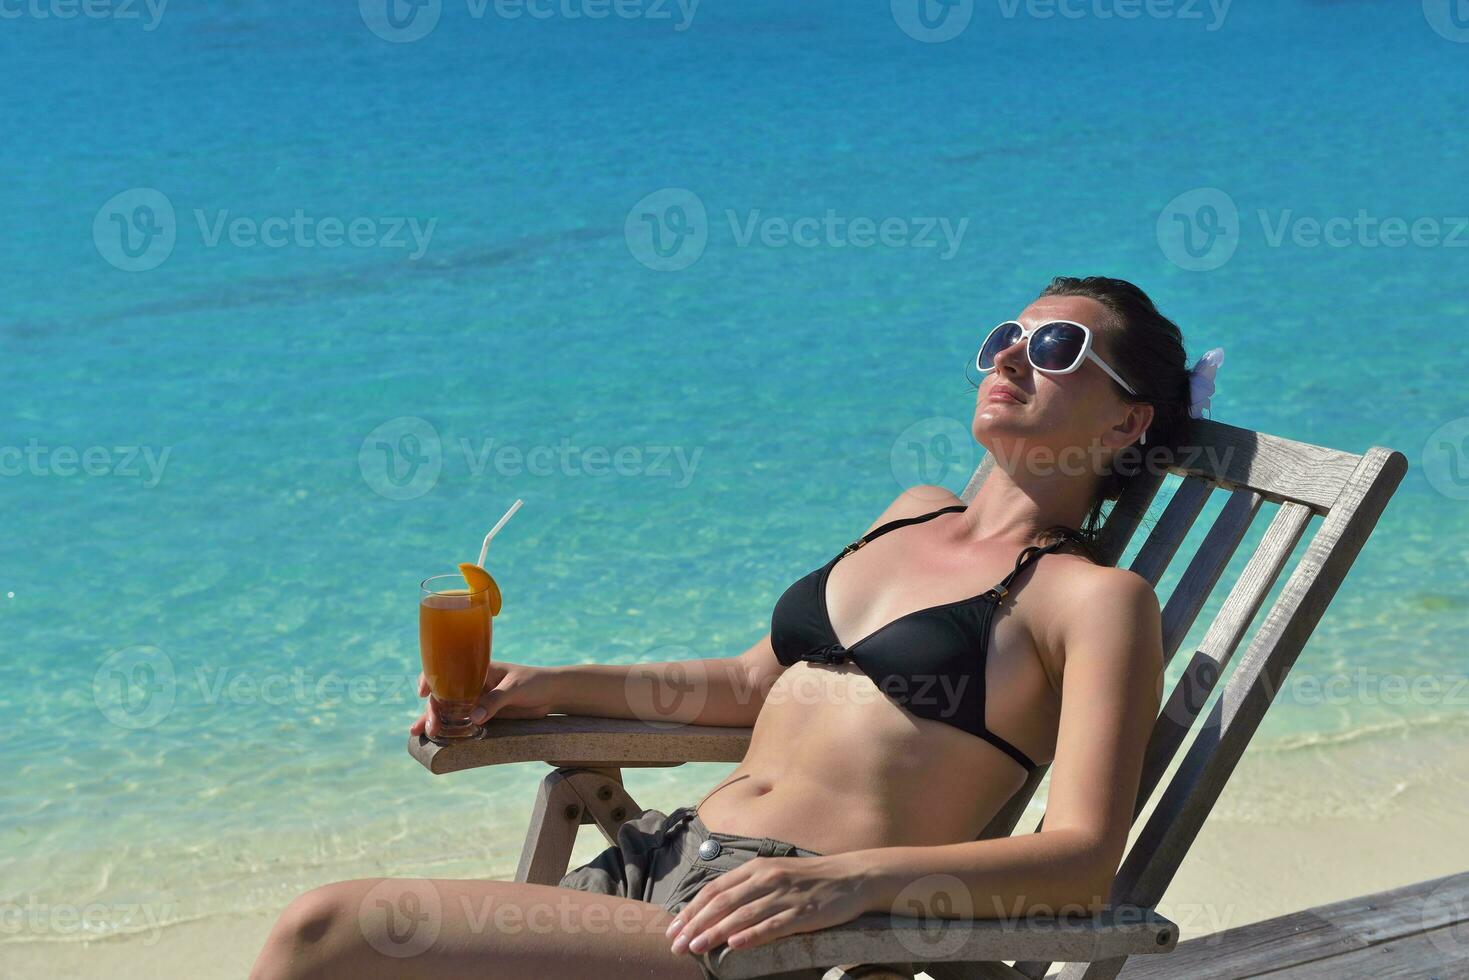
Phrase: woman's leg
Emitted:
{"points": [[407, 928]]}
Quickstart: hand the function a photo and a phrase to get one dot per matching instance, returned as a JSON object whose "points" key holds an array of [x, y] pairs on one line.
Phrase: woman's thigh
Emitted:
{"points": [[434, 928]]}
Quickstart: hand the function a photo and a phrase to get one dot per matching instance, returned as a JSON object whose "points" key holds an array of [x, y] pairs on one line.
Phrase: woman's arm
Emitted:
{"points": [[1111, 691], [726, 691]]}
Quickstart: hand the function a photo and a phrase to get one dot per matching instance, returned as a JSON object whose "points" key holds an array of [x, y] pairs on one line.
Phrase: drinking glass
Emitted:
{"points": [[454, 631]]}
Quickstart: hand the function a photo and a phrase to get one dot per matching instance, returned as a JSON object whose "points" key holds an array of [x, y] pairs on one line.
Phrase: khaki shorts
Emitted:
{"points": [[665, 858]]}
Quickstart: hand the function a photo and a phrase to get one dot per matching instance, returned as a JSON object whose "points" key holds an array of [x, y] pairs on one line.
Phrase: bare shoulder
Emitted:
{"points": [[925, 498], [1102, 611]]}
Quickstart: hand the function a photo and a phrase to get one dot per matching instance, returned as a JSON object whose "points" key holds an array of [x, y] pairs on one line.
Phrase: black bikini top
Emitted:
{"points": [[931, 660]]}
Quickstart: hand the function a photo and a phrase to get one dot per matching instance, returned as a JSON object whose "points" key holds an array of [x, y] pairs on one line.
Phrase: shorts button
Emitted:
{"points": [[709, 850]]}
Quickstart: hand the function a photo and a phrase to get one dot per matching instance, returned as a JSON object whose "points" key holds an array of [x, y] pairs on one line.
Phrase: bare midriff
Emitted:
{"points": [[835, 765]]}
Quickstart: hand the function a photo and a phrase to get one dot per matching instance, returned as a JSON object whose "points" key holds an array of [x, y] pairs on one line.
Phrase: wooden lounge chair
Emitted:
{"points": [[1348, 492]]}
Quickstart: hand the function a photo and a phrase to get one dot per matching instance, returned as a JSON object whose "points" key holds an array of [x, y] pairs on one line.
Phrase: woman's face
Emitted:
{"points": [[1084, 409]]}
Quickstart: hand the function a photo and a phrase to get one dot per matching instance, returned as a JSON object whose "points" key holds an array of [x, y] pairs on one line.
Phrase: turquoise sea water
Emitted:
{"points": [[226, 473]]}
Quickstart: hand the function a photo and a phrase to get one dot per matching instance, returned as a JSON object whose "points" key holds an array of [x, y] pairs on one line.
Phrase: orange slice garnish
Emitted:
{"points": [[480, 580]]}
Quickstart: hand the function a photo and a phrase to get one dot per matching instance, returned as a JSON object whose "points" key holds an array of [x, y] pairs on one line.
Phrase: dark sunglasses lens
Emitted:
{"points": [[1056, 346], [1003, 336]]}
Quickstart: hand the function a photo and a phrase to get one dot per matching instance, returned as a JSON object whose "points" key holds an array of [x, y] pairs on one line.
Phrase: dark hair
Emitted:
{"points": [[1146, 349]]}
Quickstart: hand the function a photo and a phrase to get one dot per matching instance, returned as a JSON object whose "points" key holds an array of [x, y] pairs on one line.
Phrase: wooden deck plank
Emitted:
{"points": [[1247, 951], [1419, 930], [1416, 907], [1438, 954]]}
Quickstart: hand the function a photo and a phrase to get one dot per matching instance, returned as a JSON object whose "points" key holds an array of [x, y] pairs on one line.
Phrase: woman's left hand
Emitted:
{"points": [[768, 898]]}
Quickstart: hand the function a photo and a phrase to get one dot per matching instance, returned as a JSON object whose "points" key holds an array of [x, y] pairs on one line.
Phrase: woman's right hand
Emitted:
{"points": [[511, 691]]}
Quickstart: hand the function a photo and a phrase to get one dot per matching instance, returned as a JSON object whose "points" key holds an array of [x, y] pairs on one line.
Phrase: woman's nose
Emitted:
{"points": [[1012, 359]]}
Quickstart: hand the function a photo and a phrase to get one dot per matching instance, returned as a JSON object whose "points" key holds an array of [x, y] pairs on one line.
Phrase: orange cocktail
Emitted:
{"points": [[455, 625]]}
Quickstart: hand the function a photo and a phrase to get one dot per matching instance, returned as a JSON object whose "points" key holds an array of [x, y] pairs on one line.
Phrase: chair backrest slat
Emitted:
{"points": [[1348, 490], [1204, 669], [1211, 758], [1163, 543], [1202, 574]]}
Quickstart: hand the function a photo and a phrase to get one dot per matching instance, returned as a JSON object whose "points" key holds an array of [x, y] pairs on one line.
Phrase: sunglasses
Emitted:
{"points": [[1055, 347]]}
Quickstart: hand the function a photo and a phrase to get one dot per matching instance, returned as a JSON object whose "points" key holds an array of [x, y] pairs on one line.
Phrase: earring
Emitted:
{"points": [[1144, 440]]}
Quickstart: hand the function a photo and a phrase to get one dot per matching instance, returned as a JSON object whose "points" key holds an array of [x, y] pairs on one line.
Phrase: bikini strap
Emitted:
{"points": [[1028, 557], [893, 525]]}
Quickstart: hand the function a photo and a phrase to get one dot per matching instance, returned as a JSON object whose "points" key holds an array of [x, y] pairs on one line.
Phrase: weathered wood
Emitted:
{"points": [[1248, 950], [1415, 907], [1436, 955], [1206, 667], [555, 819], [882, 938], [1167, 536], [1202, 574], [1174, 823], [1401, 932], [1278, 469], [972, 971], [582, 740]]}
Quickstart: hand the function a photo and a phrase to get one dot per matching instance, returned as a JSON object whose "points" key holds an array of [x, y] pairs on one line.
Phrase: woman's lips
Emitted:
{"points": [[1002, 396]]}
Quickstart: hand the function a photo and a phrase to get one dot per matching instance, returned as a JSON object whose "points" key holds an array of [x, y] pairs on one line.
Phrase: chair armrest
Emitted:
{"points": [[877, 937], [582, 740]]}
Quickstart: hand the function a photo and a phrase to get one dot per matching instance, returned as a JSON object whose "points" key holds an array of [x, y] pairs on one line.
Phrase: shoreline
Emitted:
{"points": [[1295, 828]]}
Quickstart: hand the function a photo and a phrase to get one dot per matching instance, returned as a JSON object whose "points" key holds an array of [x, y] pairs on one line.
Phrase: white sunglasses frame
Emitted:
{"points": [[1087, 354]]}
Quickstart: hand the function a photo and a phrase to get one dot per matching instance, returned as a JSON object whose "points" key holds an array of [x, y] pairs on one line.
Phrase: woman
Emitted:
{"points": [[903, 694]]}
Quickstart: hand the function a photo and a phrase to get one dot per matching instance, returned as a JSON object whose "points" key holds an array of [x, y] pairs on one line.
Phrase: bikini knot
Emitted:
{"points": [[832, 653]]}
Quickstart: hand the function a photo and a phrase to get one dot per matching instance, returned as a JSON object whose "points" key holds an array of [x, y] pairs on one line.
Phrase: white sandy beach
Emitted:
{"points": [[1297, 827]]}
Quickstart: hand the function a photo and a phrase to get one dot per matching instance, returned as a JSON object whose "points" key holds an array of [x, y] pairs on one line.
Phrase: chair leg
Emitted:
{"points": [[1098, 970], [567, 798]]}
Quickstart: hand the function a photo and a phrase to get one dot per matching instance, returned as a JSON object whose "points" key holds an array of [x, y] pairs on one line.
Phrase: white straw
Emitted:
{"points": [[498, 524]]}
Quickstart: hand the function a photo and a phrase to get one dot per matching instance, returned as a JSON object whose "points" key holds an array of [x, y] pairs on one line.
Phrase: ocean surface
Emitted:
{"points": [[298, 299]]}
